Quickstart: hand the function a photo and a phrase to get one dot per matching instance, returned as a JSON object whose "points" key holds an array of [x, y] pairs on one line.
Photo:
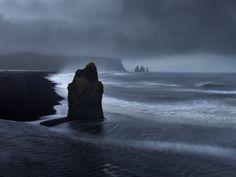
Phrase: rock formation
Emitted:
{"points": [[85, 95], [141, 69]]}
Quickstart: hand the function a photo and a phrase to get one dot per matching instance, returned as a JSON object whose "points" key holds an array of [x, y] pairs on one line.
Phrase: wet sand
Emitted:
{"points": [[102, 149], [26, 95]]}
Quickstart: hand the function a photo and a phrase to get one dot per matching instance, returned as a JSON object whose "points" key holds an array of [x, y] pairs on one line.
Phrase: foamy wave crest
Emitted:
{"points": [[61, 80], [197, 112], [137, 84], [160, 84], [222, 92], [210, 84]]}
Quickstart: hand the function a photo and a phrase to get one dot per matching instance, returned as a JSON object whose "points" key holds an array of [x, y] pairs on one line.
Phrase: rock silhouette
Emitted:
{"points": [[85, 95], [141, 69]]}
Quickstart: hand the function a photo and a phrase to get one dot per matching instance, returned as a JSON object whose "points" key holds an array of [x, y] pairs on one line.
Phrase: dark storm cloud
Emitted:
{"points": [[123, 28], [187, 25], [56, 26]]}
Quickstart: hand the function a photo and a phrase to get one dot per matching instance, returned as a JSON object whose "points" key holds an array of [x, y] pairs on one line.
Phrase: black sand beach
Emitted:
{"points": [[26, 96], [119, 146], [31, 150]]}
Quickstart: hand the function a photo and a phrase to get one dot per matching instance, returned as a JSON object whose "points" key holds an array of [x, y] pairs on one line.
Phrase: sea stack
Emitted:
{"points": [[141, 69], [85, 95]]}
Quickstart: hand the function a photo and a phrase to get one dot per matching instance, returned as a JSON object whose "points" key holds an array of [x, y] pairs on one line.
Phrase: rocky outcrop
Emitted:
{"points": [[85, 95], [141, 69]]}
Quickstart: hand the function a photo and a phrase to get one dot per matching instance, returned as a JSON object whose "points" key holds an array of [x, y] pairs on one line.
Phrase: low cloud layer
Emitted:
{"points": [[124, 28]]}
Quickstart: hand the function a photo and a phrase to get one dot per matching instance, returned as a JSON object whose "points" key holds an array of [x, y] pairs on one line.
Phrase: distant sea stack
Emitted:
{"points": [[141, 69], [34, 61]]}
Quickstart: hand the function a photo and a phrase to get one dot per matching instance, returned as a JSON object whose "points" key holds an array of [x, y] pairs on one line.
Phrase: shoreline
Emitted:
{"points": [[27, 95], [121, 145]]}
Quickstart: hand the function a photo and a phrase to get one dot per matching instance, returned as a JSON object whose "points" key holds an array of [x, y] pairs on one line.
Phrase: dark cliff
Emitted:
{"points": [[33, 61]]}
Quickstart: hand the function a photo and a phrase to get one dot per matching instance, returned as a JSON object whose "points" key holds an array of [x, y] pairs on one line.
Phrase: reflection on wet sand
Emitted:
{"points": [[89, 127]]}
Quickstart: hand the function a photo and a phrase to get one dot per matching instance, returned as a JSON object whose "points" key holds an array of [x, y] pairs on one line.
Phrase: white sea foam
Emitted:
{"points": [[145, 84], [223, 92], [159, 84], [198, 112], [209, 84]]}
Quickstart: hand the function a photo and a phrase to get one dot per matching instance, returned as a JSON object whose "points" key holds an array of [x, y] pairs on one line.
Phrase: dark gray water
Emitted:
{"points": [[186, 119], [175, 97]]}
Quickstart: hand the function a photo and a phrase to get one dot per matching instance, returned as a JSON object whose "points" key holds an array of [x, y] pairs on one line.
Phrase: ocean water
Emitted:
{"points": [[186, 98]]}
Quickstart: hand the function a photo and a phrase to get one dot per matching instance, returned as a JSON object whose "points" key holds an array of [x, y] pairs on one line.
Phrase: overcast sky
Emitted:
{"points": [[131, 29]]}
